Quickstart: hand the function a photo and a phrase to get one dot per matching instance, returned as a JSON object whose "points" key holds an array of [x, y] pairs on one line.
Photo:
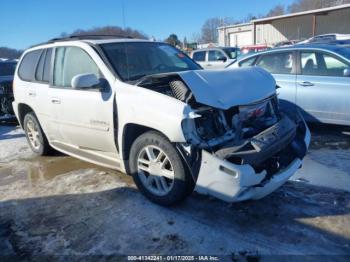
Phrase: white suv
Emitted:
{"points": [[146, 109]]}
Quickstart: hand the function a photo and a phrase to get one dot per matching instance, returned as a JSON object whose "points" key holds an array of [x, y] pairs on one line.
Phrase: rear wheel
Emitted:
{"points": [[158, 170], [35, 135]]}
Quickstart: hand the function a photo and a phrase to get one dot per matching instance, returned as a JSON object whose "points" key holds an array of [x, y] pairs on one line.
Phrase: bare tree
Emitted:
{"points": [[197, 38], [210, 30], [276, 11], [304, 5]]}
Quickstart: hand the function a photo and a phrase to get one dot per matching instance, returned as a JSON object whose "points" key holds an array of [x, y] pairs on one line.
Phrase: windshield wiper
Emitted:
{"points": [[137, 77]]}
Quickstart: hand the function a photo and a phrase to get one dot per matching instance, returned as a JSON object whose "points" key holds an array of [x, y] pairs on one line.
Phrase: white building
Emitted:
{"points": [[297, 26]]}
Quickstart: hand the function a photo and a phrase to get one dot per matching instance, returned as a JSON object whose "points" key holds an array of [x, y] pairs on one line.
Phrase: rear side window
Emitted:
{"points": [[321, 64], [277, 63], [70, 62], [40, 67], [47, 65], [44, 67], [199, 56], [27, 68], [248, 62]]}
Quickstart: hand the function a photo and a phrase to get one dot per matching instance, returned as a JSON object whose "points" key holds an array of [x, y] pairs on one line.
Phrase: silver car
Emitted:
{"points": [[315, 78]]}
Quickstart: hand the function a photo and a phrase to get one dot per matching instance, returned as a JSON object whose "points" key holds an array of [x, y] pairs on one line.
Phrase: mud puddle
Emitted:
{"points": [[40, 169]]}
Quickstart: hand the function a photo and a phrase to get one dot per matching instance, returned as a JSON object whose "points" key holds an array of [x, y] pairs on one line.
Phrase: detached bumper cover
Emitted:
{"points": [[233, 183]]}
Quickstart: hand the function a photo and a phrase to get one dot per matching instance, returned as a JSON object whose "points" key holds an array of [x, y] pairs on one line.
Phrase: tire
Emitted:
{"points": [[152, 153], [35, 135]]}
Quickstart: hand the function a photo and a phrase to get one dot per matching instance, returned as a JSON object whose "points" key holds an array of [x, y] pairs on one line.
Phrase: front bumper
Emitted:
{"points": [[234, 183]]}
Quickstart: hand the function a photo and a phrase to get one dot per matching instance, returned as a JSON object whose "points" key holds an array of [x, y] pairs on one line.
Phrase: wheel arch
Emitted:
{"points": [[130, 133], [23, 109]]}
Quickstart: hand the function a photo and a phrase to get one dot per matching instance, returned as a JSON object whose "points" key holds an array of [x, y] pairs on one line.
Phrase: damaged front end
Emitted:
{"points": [[239, 144], [252, 156]]}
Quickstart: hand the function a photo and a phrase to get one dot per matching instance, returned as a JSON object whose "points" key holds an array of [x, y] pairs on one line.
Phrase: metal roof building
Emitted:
{"points": [[296, 26]]}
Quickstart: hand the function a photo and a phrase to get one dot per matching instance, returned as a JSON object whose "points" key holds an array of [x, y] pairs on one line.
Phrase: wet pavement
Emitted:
{"points": [[62, 206]]}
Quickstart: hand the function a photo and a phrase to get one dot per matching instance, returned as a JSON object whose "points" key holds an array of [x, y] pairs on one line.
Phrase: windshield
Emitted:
{"points": [[135, 60], [344, 51], [7, 69], [232, 53]]}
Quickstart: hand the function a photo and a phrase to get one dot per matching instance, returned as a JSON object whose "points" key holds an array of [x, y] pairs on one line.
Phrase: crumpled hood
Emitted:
{"points": [[226, 88]]}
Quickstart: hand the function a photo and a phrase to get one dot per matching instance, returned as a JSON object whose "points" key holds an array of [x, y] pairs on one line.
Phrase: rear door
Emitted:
{"points": [[200, 58], [323, 92], [84, 118], [41, 90], [34, 71], [282, 65]]}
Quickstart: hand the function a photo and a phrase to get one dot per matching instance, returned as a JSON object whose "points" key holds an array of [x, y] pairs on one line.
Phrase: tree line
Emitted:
{"points": [[117, 31]]}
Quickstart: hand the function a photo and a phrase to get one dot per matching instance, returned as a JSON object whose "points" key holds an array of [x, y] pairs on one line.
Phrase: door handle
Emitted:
{"points": [[306, 83], [55, 101], [32, 94]]}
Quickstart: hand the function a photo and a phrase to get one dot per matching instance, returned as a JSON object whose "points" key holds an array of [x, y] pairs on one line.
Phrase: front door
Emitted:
{"points": [[217, 60], [84, 118], [323, 92]]}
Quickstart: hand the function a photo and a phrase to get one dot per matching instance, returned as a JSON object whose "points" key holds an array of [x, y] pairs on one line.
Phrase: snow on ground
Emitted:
{"points": [[62, 206], [12, 144]]}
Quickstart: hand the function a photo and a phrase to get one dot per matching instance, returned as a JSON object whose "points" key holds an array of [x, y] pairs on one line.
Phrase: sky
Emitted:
{"points": [[27, 22]]}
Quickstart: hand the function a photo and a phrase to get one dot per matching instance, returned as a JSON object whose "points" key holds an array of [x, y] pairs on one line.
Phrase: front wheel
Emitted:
{"points": [[158, 170]]}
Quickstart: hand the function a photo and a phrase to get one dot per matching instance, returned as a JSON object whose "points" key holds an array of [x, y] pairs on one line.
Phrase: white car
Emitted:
{"points": [[148, 110], [216, 57]]}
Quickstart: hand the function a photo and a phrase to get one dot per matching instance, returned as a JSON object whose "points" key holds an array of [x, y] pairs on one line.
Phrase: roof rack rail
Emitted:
{"points": [[84, 37], [89, 36]]}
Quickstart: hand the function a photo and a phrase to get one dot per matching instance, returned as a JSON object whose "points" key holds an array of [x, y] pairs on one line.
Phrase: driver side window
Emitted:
{"points": [[215, 56], [72, 61], [321, 64]]}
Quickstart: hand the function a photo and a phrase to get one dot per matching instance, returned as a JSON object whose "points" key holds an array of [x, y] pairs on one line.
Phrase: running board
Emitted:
{"points": [[106, 159]]}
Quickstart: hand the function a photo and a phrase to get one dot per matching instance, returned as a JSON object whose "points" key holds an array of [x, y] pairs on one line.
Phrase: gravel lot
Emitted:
{"points": [[62, 206]]}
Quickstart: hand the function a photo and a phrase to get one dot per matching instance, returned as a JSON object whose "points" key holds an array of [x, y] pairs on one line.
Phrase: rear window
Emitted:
{"points": [[199, 56], [7, 69], [44, 67], [28, 65]]}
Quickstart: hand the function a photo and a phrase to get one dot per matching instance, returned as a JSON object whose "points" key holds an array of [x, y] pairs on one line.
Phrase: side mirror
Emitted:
{"points": [[346, 72], [85, 81], [223, 59]]}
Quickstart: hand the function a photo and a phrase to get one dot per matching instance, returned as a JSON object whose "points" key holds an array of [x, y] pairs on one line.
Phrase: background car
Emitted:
{"points": [[326, 38], [7, 70], [215, 58], [254, 48], [316, 78]]}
